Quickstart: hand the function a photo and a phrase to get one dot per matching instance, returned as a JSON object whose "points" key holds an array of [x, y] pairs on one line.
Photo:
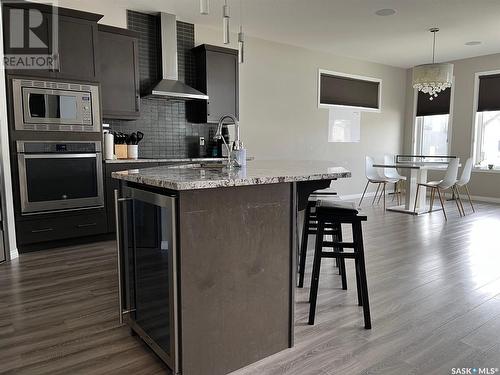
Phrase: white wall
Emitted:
{"points": [[278, 100], [483, 184], [278, 106]]}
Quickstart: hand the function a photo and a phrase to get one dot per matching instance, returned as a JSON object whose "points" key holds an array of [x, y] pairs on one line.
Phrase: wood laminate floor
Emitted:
{"points": [[434, 293]]}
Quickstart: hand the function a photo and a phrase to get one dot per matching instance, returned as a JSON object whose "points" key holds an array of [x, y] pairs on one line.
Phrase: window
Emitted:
{"points": [[488, 138], [431, 135], [487, 130], [432, 124], [346, 90]]}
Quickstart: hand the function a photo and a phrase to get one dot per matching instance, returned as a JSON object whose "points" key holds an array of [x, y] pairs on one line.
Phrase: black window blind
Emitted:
{"points": [[489, 93], [338, 90], [439, 105]]}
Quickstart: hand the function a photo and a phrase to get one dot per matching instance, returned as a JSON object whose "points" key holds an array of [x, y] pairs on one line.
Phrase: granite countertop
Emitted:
{"points": [[258, 172]]}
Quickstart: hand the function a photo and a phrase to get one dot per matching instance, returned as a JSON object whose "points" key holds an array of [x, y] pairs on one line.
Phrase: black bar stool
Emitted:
{"points": [[310, 227], [335, 214]]}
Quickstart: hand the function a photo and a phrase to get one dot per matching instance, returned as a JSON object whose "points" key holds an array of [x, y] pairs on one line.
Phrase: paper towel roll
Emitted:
{"points": [[109, 146]]}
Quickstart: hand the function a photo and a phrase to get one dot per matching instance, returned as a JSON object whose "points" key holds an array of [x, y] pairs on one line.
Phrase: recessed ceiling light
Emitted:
{"points": [[473, 43], [385, 12]]}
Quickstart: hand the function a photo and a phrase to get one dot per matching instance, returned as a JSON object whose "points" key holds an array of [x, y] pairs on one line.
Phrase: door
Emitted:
{"points": [[77, 40], [50, 182], [119, 74], [149, 270], [222, 85], [42, 106], [112, 184]]}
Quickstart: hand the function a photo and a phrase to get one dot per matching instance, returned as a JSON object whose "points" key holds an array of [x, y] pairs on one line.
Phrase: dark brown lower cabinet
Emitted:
{"points": [[45, 228]]}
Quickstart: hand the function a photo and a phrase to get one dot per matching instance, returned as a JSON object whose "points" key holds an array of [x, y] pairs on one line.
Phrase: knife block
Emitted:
{"points": [[121, 151]]}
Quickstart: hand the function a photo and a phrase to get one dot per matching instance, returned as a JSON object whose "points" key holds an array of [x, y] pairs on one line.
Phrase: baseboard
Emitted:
{"points": [[484, 199], [448, 195]]}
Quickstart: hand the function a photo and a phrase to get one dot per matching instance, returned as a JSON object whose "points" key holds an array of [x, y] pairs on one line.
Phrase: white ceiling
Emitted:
{"points": [[350, 27]]}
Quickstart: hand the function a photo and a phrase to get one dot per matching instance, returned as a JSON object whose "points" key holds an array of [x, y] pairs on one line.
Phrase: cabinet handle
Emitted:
{"points": [[86, 225], [118, 254], [42, 230]]}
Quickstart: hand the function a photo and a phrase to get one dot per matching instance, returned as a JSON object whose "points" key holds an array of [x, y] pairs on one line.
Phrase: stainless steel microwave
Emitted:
{"points": [[42, 105]]}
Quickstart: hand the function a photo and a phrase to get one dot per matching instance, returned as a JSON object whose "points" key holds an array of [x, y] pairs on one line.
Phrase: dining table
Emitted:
{"points": [[416, 172]]}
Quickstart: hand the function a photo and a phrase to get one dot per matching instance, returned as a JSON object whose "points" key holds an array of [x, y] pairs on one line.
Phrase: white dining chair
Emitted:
{"points": [[393, 176], [463, 181], [374, 177], [448, 182]]}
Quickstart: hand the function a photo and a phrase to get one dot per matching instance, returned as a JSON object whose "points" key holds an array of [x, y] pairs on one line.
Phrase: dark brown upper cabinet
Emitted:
{"points": [[119, 72], [77, 46], [76, 41], [216, 76]]}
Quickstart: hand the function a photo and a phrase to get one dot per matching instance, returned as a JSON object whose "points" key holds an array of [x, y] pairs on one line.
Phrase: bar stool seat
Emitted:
{"points": [[335, 214], [336, 207]]}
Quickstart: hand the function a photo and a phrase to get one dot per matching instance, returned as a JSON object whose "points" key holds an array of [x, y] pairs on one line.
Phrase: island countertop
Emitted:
{"points": [[257, 172]]}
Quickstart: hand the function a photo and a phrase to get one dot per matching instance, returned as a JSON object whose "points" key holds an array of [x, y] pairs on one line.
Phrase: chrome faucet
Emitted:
{"points": [[237, 142]]}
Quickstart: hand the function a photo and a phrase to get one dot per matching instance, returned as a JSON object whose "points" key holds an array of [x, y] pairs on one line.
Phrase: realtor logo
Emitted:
{"points": [[30, 35]]}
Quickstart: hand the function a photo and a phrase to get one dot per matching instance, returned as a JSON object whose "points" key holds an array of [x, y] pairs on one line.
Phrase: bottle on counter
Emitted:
{"points": [[109, 145]]}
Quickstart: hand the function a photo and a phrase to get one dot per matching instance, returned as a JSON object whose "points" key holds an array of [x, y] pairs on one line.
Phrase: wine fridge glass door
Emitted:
{"points": [[150, 277]]}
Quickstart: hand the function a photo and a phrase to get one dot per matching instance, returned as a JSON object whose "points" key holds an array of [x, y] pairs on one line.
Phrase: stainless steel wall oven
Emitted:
{"points": [[55, 176], [42, 105]]}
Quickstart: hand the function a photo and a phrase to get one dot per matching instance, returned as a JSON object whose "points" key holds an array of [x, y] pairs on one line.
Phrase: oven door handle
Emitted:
{"points": [[60, 156]]}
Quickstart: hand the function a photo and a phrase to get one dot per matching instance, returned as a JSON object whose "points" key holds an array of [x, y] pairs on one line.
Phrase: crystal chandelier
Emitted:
{"points": [[433, 78]]}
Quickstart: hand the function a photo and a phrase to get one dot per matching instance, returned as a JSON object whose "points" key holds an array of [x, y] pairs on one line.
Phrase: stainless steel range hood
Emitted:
{"points": [[170, 87]]}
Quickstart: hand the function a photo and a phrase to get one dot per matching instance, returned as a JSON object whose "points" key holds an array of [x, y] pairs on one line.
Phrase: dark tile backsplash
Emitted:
{"points": [[148, 27], [167, 133]]}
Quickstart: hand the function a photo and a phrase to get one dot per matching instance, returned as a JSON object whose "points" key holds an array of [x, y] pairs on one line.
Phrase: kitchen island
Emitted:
{"points": [[207, 258]]}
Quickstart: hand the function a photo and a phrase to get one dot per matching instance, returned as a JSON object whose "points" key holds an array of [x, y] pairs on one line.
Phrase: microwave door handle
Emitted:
{"points": [[57, 65]]}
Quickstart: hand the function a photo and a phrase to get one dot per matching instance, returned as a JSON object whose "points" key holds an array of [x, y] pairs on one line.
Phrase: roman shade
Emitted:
{"points": [[489, 93], [347, 91], [439, 105]]}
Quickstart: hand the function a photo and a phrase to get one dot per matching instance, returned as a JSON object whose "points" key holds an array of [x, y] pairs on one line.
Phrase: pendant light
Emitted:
{"points": [[433, 78], [225, 22], [241, 39], [204, 7], [241, 46]]}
